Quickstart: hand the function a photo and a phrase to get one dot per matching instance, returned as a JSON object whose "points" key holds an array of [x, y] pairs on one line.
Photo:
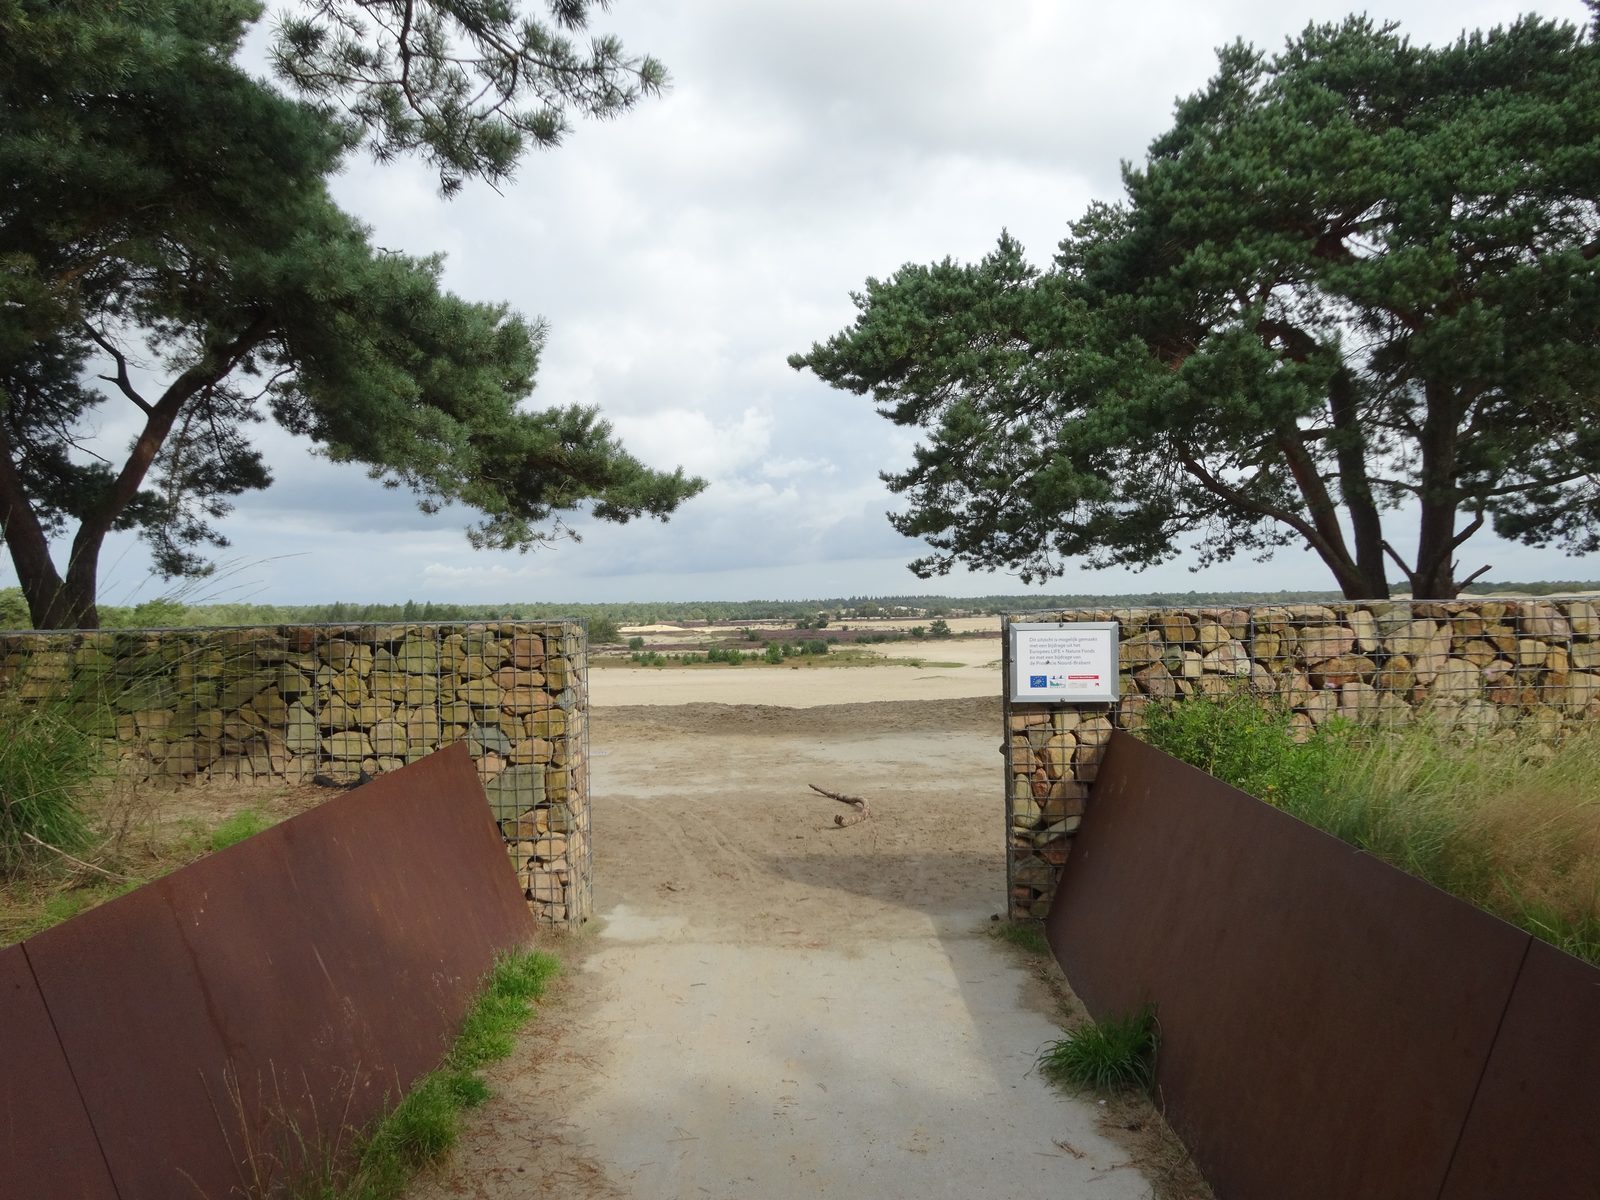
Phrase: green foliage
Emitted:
{"points": [[243, 824], [636, 643], [603, 630], [1246, 741], [151, 614], [424, 1126], [773, 655], [918, 632], [1356, 275], [14, 610], [121, 245], [1114, 1055], [508, 80], [46, 759], [940, 629]]}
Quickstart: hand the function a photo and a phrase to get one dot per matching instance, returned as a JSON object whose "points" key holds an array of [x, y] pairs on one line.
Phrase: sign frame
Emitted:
{"points": [[1099, 644]]}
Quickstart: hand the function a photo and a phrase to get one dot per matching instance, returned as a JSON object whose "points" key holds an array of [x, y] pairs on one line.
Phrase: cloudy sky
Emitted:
{"points": [[680, 254]]}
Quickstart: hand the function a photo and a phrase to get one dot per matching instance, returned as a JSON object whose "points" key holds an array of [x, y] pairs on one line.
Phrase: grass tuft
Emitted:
{"points": [[1027, 936], [1115, 1055], [424, 1126], [1509, 825], [244, 824], [46, 759]]}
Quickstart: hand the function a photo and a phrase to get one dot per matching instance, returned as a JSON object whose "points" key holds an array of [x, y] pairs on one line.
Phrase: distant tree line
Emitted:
{"points": [[605, 621]]}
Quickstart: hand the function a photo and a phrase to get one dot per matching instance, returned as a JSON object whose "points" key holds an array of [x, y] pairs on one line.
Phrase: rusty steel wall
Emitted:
{"points": [[1325, 1019], [269, 997], [47, 1146], [1535, 1128], [290, 703]]}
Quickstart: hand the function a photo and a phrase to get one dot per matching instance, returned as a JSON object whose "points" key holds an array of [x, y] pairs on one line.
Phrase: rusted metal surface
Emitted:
{"points": [[47, 1146], [1324, 1018], [297, 979], [1533, 1128]]}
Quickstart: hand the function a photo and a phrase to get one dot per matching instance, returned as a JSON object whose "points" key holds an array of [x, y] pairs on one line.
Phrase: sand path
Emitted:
{"points": [[771, 1007]]}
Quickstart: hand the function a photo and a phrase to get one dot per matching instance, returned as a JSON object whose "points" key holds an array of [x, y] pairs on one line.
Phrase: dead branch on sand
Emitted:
{"points": [[845, 820]]}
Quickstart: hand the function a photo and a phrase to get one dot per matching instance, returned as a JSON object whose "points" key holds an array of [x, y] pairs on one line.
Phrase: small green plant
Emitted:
{"points": [[1027, 936], [773, 655], [423, 1127], [1247, 741], [243, 824], [636, 643], [940, 629], [1114, 1055]]}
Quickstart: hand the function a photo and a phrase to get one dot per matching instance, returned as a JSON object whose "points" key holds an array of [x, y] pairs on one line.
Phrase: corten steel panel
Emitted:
{"points": [[47, 1147], [1534, 1129], [1324, 1017], [308, 973]]}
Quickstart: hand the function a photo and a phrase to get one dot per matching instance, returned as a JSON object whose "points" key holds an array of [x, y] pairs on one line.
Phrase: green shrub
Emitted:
{"points": [[1248, 742], [774, 654], [1114, 1055], [940, 629], [603, 630], [636, 643], [14, 610]]}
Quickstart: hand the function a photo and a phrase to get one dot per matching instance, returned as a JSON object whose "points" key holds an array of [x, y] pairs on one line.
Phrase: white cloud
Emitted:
{"points": [[681, 252]]}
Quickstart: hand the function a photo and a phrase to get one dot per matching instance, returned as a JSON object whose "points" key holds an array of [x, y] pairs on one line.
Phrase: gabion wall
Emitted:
{"points": [[1478, 666], [333, 702]]}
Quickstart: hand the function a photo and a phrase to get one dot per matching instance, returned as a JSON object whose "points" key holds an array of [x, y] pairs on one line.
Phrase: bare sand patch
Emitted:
{"points": [[794, 686]]}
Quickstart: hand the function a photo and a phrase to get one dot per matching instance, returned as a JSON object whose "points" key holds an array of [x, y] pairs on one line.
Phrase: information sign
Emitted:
{"points": [[1067, 661]]}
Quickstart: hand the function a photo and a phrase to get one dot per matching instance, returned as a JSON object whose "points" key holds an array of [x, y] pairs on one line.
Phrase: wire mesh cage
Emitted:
{"points": [[337, 704], [1528, 669]]}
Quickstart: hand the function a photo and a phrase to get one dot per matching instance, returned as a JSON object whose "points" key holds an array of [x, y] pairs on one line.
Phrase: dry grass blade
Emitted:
{"points": [[76, 861]]}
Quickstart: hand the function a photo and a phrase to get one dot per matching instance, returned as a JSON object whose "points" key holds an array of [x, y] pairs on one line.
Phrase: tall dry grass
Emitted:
{"points": [[1509, 824]]}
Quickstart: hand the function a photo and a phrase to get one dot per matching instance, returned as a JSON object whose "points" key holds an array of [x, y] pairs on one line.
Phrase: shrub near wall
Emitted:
{"points": [[288, 703], [1529, 666]]}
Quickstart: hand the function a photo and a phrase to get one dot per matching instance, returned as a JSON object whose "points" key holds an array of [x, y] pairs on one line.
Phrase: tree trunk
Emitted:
{"points": [[1325, 536], [1434, 578], [1355, 489], [49, 604]]}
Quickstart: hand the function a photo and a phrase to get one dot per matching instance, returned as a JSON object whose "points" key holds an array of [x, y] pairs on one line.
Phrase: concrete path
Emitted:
{"points": [[773, 1007]]}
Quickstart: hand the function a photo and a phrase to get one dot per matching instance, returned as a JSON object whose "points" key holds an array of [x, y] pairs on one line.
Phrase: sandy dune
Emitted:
{"points": [[807, 686]]}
